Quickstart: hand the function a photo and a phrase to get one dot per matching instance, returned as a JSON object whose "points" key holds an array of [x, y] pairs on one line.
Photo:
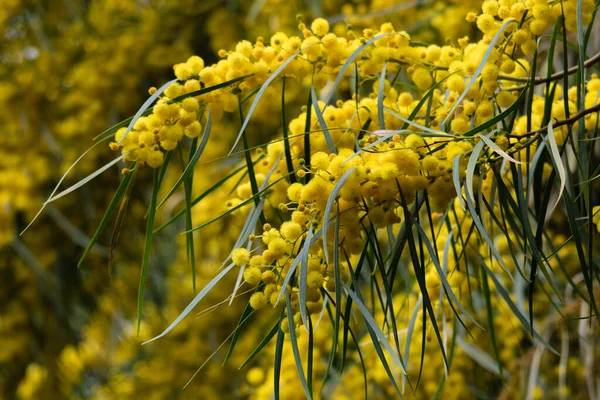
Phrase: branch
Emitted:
{"points": [[588, 63], [568, 121]]}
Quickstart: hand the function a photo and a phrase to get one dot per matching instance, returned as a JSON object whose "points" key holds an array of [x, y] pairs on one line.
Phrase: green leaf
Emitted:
{"points": [[501, 290], [441, 273], [490, 320], [260, 94], [200, 197], [212, 88], [349, 62], [484, 60], [302, 281], [145, 106], [190, 166], [380, 114], [194, 302], [485, 235], [373, 325], [471, 165], [498, 150], [307, 130], [315, 102], [297, 260], [147, 249], [480, 357], [84, 180], [59, 183], [262, 344], [426, 131], [558, 164], [329, 206], [409, 332], [125, 183], [286, 140], [277, 360], [456, 180], [295, 349], [248, 310]]}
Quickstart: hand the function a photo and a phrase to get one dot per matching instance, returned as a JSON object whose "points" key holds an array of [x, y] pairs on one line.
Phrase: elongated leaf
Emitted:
{"points": [[456, 180], [501, 290], [259, 95], [334, 192], [277, 360], [490, 319], [338, 293], [295, 349], [441, 273], [315, 102], [486, 237], [125, 182], [212, 88], [425, 129], [484, 60], [297, 260], [409, 332], [302, 282], [480, 357], [84, 180], [286, 139], [373, 325], [471, 169], [59, 183], [190, 166], [498, 150], [238, 283], [349, 62], [194, 302], [558, 164], [147, 248], [145, 106], [248, 310], [200, 197], [380, 114], [262, 344]]}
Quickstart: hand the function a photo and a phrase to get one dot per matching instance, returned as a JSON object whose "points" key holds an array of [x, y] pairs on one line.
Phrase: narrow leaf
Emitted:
{"points": [[194, 302]]}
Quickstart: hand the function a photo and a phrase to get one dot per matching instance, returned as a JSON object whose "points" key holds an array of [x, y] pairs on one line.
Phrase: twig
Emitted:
{"points": [[568, 121], [588, 63]]}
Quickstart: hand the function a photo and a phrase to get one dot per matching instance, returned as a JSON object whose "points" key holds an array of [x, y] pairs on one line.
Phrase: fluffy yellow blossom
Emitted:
{"points": [[240, 257]]}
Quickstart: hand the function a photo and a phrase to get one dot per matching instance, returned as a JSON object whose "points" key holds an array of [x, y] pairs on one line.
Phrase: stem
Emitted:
{"points": [[568, 121]]}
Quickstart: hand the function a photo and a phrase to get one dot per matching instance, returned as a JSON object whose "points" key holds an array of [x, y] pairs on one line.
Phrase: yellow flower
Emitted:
{"points": [[240, 256]]}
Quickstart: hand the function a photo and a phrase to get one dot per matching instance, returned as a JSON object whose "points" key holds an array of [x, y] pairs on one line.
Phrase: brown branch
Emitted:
{"points": [[568, 121], [557, 75]]}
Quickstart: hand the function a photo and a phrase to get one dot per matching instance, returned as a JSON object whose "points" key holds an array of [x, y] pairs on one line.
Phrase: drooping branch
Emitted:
{"points": [[562, 122], [557, 75]]}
